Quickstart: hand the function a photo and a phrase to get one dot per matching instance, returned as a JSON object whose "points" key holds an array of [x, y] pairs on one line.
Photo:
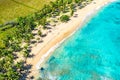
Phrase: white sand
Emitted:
{"points": [[59, 33]]}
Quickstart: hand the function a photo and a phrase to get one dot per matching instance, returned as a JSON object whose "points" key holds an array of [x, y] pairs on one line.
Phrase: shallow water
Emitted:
{"points": [[92, 53]]}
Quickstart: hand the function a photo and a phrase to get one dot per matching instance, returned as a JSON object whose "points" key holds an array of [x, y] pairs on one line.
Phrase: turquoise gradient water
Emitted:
{"points": [[92, 53]]}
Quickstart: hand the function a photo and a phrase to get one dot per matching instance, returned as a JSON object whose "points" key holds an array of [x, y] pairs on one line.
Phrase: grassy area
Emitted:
{"points": [[11, 9]]}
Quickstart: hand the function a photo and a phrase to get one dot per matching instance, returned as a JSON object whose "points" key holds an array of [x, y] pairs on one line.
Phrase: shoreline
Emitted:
{"points": [[63, 32], [41, 61]]}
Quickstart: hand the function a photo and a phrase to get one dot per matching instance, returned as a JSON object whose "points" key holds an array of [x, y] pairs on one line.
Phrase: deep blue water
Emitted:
{"points": [[93, 52]]}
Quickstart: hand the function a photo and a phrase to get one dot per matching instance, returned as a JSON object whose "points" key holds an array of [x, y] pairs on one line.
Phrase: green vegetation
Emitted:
{"points": [[11, 9], [64, 18], [13, 34], [39, 33]]}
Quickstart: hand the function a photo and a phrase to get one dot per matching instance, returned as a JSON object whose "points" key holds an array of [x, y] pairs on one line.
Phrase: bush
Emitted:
{"points": [[64, 18]]}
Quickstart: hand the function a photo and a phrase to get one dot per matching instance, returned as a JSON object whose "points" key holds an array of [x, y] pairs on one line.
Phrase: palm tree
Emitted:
{"points": [[39, 33], [26, 53], [69, 1], [38, 39]]}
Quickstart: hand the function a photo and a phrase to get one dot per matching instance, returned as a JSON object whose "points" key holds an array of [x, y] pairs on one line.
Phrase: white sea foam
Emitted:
{"points": [[105, 78], [52, 77], [47, 54], [58, 44]]}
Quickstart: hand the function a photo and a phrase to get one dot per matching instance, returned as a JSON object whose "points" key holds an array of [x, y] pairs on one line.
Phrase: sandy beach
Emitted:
{"points": [[42, 50]]}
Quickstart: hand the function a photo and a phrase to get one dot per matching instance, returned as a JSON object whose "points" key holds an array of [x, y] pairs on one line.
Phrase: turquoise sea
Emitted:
{"points": [[91, 53]]}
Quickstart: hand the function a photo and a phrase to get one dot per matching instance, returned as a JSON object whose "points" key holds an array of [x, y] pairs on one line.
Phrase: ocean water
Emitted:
{"points": [[91, 53]]}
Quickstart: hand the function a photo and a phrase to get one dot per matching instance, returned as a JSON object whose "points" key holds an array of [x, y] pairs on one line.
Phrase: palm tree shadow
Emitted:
{"points": [[26, 71], [76, 15], [31, 56]]}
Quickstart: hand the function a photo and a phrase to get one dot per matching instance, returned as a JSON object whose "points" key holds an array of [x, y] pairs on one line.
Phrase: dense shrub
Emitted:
{"points": [[64, 18]]}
